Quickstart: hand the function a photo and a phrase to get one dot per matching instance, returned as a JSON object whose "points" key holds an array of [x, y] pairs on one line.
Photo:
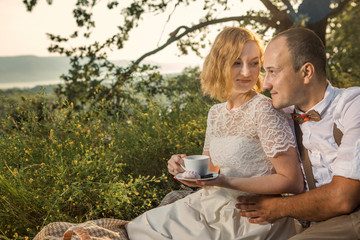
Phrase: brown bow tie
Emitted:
{"points": [[310, 116]]}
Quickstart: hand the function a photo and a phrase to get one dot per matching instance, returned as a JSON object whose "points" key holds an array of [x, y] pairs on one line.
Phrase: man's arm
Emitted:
{"points": [[340, 196]]}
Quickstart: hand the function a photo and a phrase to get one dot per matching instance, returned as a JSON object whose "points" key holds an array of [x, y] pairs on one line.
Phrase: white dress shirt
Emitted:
{"points": [[341, 106]]}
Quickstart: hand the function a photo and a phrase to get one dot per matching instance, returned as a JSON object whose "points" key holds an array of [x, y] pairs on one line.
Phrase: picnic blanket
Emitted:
{"points": [[105, 228], [100, 229]]}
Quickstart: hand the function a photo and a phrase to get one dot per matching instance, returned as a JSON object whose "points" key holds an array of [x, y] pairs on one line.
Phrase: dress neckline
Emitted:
{"points": [[242, 105]]}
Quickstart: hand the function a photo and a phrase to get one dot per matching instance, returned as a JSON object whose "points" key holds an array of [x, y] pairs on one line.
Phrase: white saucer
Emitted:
{"points": [[214, 175]]}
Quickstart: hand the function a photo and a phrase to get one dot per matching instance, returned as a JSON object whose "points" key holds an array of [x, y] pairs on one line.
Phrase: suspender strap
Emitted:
{"points": [[305, 155], [304, 158], [337, 134]]}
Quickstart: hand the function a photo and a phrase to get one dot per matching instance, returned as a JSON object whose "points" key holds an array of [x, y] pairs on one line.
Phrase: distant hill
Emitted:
{"points": [[30, 71]]}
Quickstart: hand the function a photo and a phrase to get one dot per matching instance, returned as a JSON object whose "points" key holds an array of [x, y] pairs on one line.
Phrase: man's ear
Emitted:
{"points": [[308, 72]]}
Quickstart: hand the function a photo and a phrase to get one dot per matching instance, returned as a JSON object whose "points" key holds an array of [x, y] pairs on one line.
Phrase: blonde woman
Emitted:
{"points": [[251, 143]]}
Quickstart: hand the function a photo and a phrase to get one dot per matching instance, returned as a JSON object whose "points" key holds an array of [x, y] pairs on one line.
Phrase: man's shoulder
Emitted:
{"points": [[346, 97], [346, 93], [346, 100]]}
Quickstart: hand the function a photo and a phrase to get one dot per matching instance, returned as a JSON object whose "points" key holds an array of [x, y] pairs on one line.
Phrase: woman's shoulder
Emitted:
{"points": [[216, 109], [262, 101], [218, 106], [263, 106]]}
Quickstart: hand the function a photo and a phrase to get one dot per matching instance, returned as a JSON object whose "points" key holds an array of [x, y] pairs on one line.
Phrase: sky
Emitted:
{"points": [[24, 33]]}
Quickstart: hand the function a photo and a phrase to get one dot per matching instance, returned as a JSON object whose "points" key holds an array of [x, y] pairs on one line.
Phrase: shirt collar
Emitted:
{"points": [[321, 106]]}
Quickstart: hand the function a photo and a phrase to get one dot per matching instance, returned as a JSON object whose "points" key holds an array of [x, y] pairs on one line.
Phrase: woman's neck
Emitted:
{"points": [[237, 99]]}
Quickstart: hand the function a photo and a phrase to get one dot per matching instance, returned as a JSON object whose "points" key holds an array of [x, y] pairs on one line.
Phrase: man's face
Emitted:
{"points": [[284, 84]]}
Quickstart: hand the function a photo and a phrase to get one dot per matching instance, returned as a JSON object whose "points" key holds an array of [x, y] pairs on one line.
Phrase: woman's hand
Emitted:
{"points": [[189, 183], [174, 162], [219, 181]]}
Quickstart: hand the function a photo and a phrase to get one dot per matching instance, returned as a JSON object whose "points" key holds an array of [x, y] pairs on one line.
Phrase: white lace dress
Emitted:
{"points": [[240, 142]]}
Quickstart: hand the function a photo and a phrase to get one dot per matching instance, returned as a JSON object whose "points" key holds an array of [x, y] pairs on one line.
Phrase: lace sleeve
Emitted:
{"points": [[273, 129], [208, 131]]}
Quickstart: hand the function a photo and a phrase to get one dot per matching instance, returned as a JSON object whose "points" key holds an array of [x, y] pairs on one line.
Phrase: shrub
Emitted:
{"points": [[58, 164]]}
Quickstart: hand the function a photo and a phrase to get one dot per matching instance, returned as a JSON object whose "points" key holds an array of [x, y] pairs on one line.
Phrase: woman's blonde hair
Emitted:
{"points": [[216, 74]]}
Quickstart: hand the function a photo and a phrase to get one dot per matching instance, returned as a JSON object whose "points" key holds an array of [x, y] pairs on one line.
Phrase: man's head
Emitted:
{"points": [[294, 61], [305, 46]]}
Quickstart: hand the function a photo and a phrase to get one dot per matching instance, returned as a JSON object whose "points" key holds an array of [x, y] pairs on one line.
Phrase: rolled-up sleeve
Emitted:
{"points": [[347, 163]]}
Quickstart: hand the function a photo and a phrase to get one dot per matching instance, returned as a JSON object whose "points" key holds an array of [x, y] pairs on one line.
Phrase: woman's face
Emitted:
{"points": [[245, 70]]}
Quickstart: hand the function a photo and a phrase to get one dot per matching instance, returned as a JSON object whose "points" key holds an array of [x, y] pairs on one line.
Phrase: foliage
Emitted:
{"points": [[62, 164], [279, 16], [90, 67], [92, 79], [343, 55]]}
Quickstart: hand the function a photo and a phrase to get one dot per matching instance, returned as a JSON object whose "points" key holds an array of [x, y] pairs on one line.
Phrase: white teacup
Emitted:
{"points": [[197, 163]]}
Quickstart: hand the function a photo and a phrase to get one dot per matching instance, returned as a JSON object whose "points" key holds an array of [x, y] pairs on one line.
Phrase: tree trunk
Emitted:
{"points": [[315, 15], [320, 29]]}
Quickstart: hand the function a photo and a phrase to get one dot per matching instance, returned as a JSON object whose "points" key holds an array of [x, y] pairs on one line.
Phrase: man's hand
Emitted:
{"points": [[260, 208]]}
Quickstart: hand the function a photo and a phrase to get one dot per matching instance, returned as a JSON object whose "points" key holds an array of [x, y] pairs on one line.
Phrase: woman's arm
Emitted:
{"points": [[287, 179]]}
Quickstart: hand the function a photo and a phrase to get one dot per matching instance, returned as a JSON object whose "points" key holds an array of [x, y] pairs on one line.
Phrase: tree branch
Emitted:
{"points": [[279, 15], [289, 7], [174, 35], [271, 7]]}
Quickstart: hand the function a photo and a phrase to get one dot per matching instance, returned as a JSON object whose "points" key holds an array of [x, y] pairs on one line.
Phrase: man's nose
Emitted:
{"points": [[266, 85]]}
